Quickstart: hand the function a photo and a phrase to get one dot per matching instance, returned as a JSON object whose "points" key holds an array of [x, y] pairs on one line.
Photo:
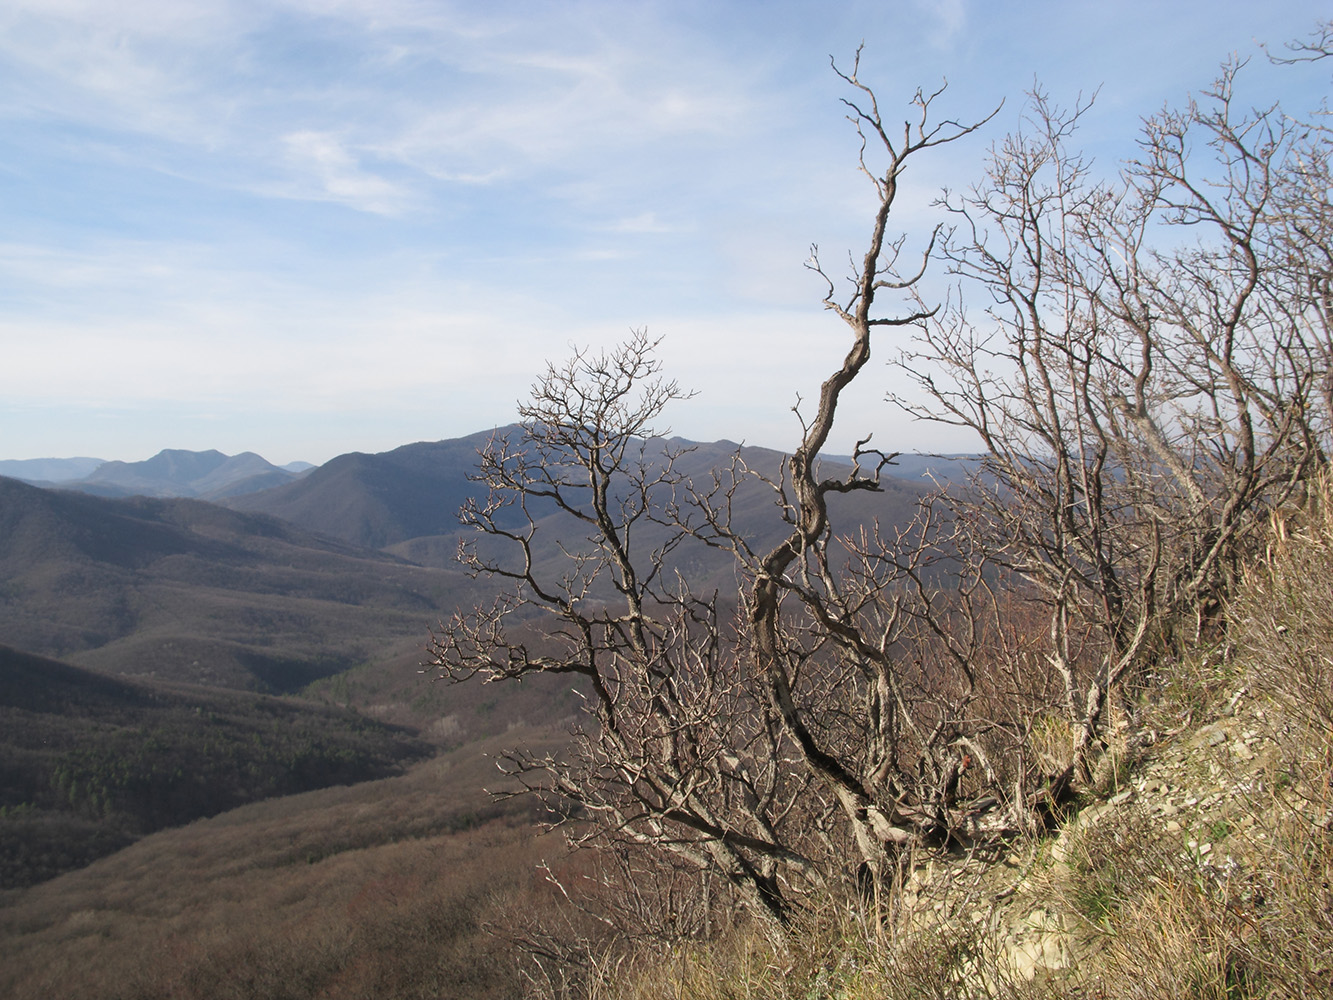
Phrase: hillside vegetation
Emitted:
{"points": [[1062, 730], [827, 776], [89, 763], [384, 889], [1197, 864]]}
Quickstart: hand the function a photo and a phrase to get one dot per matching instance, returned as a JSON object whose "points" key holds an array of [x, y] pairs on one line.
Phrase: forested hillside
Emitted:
{"points": [[90, 763]]}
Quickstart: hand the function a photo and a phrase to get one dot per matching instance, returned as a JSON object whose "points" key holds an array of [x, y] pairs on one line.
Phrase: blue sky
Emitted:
{"points": [[306, 227]]}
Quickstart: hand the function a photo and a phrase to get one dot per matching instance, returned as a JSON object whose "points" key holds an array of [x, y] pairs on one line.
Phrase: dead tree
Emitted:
{"points": [[851, 637], [1147, 377], [827, 726], [589, 511], [1140, 410]]}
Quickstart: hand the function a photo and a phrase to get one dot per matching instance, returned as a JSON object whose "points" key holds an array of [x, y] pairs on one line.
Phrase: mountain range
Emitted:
{"points": [[146, 634], [206, 475], [406, 501], [48, 471], [377, 500], [348, 565]]}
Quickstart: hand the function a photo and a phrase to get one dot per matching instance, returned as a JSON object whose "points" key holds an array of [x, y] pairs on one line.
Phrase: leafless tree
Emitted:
{"points": [[1142, 401], [861, 662], [678, 755], [1318, 46], [1141, 404], [826, 726]]}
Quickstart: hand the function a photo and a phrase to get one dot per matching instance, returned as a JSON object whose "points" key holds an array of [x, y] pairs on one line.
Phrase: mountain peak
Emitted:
{"points": [[176, 472]]}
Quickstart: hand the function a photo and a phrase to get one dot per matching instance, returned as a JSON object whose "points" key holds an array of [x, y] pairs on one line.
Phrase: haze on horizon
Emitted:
{"points": [[302, 228]]}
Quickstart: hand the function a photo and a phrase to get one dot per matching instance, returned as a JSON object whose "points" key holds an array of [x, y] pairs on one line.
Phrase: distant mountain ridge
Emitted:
{"points": [[379, 516], [173, 472], [276, 588], [377, 500], [406, 501]]}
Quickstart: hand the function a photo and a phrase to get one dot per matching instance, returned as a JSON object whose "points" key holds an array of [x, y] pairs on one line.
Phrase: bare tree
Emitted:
{"points": [[1141, 406], [678, 756], [871, 684], [828, 725], [1319, 46]]}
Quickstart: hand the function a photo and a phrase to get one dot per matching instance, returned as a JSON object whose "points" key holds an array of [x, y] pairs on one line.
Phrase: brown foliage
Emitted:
{"points": [[381, 889]]}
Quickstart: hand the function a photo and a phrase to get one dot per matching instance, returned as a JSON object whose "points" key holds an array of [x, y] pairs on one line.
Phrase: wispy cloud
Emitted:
{"points": [[427, 85], [644, 222], [342, 203], [326, 168]]}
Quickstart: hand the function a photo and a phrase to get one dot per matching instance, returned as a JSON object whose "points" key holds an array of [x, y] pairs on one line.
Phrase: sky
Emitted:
{"points": [[308, 227]]}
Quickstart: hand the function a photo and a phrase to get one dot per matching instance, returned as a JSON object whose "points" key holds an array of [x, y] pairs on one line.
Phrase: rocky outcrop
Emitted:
{"points": [[1191, 804]]}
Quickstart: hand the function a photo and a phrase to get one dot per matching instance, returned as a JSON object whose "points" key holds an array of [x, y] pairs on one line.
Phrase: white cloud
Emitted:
{"points": [[373, 94], [148, 326], [375, 203], [323, 162], [130, 66]]}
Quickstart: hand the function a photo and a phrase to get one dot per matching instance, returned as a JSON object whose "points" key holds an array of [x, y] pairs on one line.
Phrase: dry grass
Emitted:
{"points": [[1254, 920], [1146, 917]]}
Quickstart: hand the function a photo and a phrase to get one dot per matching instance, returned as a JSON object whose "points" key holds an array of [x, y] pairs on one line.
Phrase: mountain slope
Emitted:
{"points": [[45, 471], [377, 500], [406, 500], [385, 889], [188, 590]]}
